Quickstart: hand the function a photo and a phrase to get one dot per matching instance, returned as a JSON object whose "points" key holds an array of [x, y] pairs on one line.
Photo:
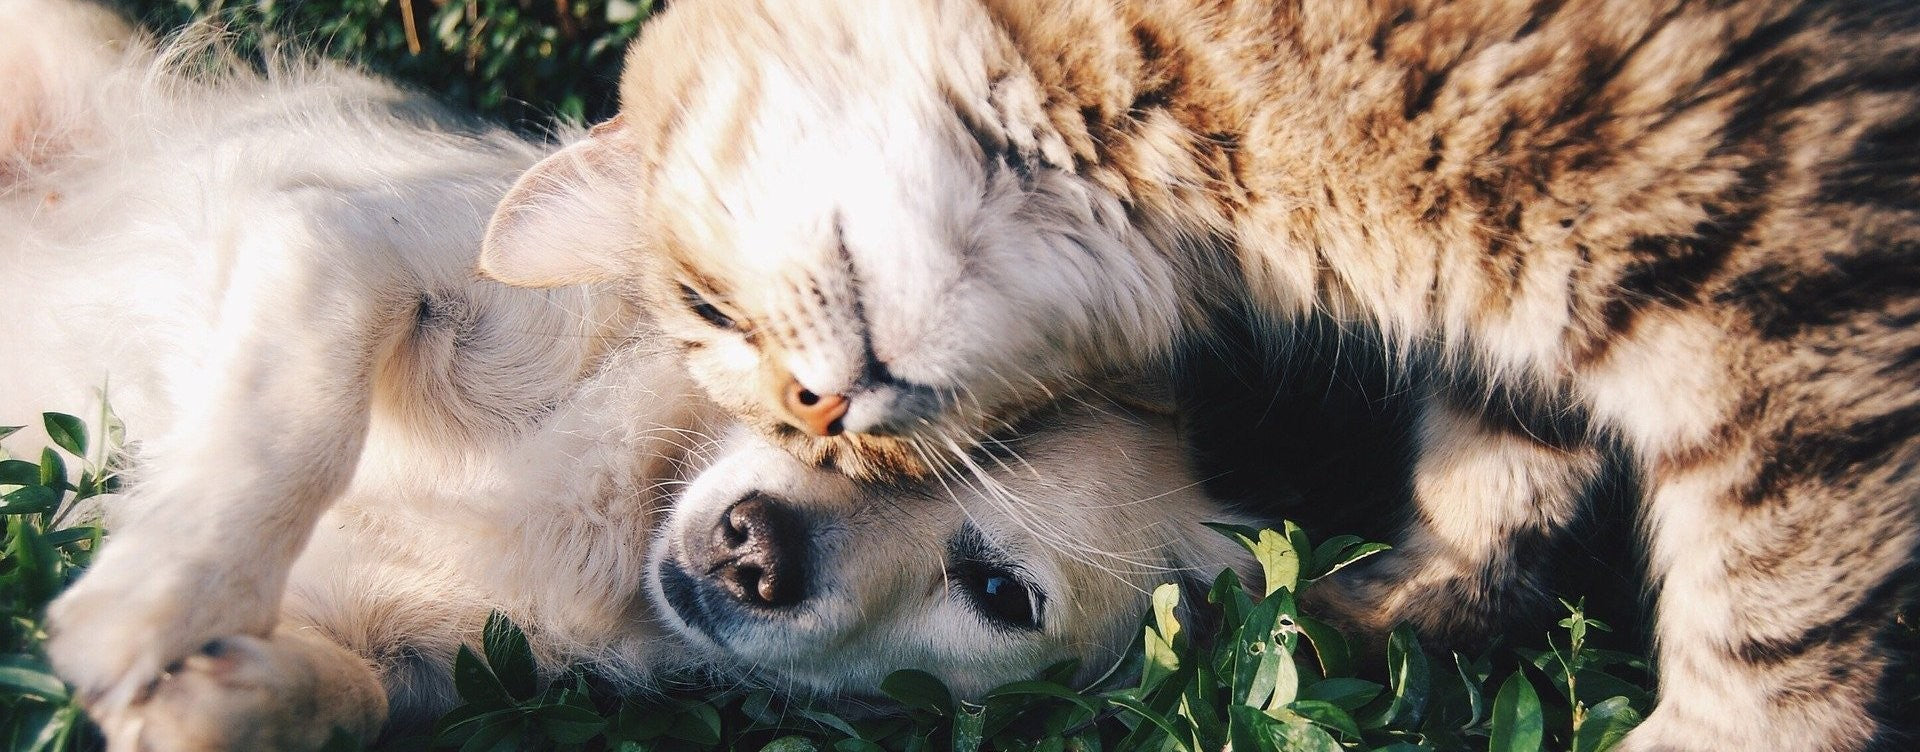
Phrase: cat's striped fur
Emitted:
{"points": [[1688, 228]]}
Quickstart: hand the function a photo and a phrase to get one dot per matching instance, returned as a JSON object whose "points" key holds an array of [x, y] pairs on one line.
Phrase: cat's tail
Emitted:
{"points": [[55, 56]]}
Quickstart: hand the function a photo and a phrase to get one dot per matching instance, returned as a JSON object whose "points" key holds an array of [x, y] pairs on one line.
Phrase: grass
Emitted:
{"points": [[522, 62], [1271, 678]]}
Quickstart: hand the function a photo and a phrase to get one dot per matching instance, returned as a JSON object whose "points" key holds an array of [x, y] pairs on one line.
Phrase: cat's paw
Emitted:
{"points": [[292, 692], [140, 609]]}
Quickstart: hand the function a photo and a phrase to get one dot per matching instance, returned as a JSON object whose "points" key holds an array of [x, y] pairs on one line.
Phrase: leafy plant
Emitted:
{"points": [[1270, 678], [40, 554], [524, 62]]}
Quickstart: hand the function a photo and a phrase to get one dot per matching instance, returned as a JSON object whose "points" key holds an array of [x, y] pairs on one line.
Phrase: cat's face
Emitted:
{"points": [[790, 576], [845, 264]]}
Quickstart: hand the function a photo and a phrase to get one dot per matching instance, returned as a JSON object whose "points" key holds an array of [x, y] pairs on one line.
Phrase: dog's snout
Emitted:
{"points": [[759, 553], [818, 414]]}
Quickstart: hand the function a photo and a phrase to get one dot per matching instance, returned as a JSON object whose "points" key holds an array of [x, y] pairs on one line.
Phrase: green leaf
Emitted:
{"points": [[1517, 722], [1230, 597], [1279, 561], [56, 732], [857, 745], [1305, 736], [475, 681], [638, 722], [21, 674], [698, 723], [29, 500], [1250, 730], [6, 431], [825, 719], [53, 470], [1254, 638], [1329, 646], [918, 689], [1161, 661], [1344, 692], [19, 473], [70, 535], [500, 732], [1044, 689], [1254, 730], [509, 656], [1471, 677], [792, 743], [1166, 598], [569, 723], [1176, 733], [1327, 714], [1348, 558], [1408, 675], [67, 432], [1606, 724], [967, 726]]}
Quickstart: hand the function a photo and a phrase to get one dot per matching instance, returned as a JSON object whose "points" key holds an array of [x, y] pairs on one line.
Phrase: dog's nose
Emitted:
{"points": [[760, 548], [817, 414]]}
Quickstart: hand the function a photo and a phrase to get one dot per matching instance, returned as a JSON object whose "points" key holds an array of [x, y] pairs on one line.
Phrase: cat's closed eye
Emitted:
{"points": [[705, 310]]}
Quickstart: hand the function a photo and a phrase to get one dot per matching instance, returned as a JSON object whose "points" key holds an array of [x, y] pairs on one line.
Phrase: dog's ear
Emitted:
{"points": [[571, 218]]}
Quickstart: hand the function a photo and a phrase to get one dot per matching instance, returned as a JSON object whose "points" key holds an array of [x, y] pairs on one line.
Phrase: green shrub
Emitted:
{"points": [[520, 62], [1272, 678]]}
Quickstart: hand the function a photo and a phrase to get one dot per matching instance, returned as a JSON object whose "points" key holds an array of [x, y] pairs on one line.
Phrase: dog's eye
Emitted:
{"points": [[996, 590], [699, 305], [1002, 597]]}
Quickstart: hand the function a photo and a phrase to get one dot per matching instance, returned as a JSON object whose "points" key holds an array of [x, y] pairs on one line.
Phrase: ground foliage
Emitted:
{"points": [[522, 62], [1271, 678]]}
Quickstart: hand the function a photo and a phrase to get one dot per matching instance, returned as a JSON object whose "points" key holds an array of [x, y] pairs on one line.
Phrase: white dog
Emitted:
{"points": [[348, 448]]}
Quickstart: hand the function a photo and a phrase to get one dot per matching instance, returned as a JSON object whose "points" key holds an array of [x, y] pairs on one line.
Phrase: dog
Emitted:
{"points": [[346, 448]]}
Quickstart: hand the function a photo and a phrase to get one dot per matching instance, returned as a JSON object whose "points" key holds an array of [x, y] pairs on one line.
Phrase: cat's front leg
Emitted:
{"points": [[1490, 498], [291, 692]]}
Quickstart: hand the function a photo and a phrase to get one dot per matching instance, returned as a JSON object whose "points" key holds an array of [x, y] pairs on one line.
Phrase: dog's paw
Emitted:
{"points": [[291, 692], [140, 609]]}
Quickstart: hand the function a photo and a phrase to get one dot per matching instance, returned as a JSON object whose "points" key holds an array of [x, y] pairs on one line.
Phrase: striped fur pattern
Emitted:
{"points": [[1686, 228]]}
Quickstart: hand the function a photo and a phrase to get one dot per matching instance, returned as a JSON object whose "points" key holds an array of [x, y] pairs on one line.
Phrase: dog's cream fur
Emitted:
{"points": [[347, 448]]}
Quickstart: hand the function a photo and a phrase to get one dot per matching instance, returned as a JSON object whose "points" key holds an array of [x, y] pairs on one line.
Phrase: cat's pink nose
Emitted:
{"points": [[818, 414]]}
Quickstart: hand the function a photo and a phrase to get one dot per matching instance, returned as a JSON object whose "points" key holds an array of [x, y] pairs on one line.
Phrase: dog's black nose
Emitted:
{"points": [[760, 553]]}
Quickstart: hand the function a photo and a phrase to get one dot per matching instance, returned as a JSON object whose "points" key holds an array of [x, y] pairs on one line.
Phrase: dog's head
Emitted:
{"points": [[807, 581]]}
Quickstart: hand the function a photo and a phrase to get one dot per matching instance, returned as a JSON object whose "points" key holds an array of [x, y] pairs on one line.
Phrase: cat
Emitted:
{"points": [[1685, 230], [345, 450]]}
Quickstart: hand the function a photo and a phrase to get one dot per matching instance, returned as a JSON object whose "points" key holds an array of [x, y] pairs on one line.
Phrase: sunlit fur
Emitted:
{"points": [[346, 449], [1683, 229]]}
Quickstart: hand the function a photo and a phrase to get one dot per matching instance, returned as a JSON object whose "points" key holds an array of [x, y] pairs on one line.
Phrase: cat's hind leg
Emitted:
{"points": [[1778, 590]]}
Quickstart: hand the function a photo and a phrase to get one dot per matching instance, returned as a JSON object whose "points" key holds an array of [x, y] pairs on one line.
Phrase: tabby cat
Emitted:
{"points": [[1690, 230]]}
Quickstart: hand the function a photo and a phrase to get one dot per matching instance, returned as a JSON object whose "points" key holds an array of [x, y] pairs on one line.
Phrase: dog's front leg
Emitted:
{"points": [[269, 433], [290, 692]]}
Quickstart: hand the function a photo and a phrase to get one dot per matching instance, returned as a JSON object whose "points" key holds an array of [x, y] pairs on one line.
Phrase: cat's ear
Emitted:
{"points": [[571, 218]]}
